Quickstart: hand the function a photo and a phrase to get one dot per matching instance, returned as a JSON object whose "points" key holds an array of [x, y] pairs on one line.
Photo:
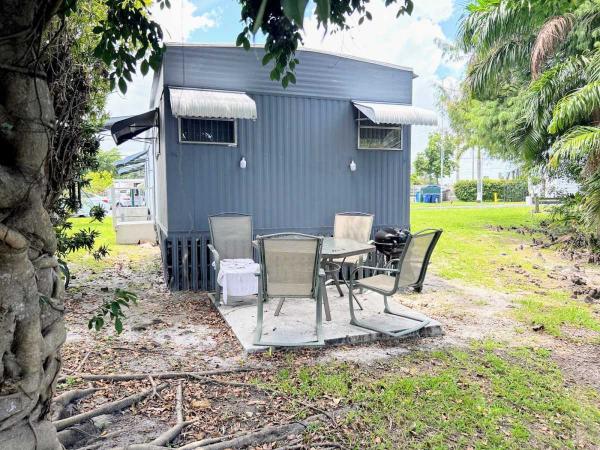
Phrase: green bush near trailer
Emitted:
{"points": [[507, 190]]}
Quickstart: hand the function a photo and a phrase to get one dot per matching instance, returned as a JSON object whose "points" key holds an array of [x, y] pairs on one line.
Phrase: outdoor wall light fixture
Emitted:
{"points": [[352, 166], [243, 163]]}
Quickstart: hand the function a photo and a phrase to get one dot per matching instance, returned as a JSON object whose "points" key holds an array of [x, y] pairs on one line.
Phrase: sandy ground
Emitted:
{"points": [[181, 331]]}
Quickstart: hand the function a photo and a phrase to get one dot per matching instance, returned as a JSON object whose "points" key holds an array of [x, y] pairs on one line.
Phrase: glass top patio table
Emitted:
{"points": [[343, 248]]}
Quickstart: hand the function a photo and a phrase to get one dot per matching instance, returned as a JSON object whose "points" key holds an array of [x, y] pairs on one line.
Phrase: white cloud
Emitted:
{"points": [[180, 20], [405, 41], [434, 10]]}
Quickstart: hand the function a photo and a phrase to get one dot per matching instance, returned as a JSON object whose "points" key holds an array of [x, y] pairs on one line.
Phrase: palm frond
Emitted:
{"points": [[550, 36], [593, 69], [531, 135], [484, 27], [591, 202], [486, 68], [576, 144], [576, 107]]}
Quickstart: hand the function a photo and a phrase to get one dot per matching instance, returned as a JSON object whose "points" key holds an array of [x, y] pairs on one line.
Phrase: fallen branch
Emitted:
{"points": [[80, 365], [160, 375], [107, 408], [179, 404]]}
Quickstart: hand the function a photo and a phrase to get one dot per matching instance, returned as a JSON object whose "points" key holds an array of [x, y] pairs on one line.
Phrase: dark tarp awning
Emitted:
{"points": [[128, 128]]}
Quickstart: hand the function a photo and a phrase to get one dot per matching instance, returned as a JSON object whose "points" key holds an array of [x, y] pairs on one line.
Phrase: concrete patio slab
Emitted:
{"points": [[296, 323]]}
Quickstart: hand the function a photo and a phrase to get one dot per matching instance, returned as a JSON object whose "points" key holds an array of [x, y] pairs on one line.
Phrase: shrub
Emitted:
{"points": [[507, 190]]}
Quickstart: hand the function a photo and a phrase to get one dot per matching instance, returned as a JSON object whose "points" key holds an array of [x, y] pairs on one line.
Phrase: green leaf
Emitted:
{"points": [[246, 44], [118, 325], [323, 10], [122, 85], [409, 7], [240, 39], [285, 81], [144, 67], [127, 75], [140, 53], [259, 17], [268, 57], [275, 73], [294, 10]]}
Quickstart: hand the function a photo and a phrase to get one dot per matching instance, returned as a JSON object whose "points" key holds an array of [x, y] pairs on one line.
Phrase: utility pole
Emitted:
{"points": [[479, 177]]}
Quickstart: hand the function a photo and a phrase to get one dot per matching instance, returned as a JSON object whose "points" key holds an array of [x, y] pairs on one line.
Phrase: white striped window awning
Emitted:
{"points": [[211, 104], [391, 113]]}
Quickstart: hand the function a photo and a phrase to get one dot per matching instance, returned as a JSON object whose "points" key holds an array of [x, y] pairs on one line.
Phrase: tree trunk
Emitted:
{"points": [[31, 309]]}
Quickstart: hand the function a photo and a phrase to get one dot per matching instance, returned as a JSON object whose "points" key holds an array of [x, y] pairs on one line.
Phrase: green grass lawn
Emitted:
{"points": [[472, 251], [459, 204], [107, 237], [478, 398]]}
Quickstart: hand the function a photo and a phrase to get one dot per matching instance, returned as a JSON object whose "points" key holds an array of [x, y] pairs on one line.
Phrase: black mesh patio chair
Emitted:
{"points": [[407, 271], [230, 238], [289, 268]]}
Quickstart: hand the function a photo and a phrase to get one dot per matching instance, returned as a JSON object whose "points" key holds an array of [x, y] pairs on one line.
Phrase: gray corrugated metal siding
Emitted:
{"points": [[298, 153]]}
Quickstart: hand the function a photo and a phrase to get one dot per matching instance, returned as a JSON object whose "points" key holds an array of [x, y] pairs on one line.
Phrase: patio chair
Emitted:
{"points": [[350, 225], [289, 268], [230, 238], [408, 271]]}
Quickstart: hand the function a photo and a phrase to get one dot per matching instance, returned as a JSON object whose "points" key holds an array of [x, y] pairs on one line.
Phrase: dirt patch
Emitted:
{"points": [[183, 332]]}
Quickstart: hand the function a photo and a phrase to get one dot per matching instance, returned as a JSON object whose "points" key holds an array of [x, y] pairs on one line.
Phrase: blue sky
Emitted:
{"points": [[407, 41]]}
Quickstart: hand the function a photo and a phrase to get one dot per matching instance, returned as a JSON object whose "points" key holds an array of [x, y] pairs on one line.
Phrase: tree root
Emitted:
{"points": [[160, 375], [169, 435], [71, 436], [262, 436], [107, 408], [97, 441], [60, 402]]}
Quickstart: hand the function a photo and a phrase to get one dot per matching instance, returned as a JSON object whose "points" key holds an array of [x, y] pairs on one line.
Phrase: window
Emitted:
{"points": [[378, 136], [207, 131]]}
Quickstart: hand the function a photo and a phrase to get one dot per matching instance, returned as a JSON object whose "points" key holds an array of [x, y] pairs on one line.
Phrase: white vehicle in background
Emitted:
{"points": [[88, 201]]}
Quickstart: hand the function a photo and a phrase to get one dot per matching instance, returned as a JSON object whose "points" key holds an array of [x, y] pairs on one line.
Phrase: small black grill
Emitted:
{"points": [[390, 242]]}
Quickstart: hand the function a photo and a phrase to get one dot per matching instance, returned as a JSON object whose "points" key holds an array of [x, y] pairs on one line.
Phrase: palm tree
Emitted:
{"points": [[547, 49]]}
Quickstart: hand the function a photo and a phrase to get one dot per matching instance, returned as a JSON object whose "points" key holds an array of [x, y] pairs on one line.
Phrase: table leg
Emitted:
{"points": [[336, 281], [325, 300]]}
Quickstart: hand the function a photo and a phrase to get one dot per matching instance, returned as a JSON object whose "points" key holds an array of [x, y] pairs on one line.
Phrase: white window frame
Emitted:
{"points": [[228, 144], [361, 117]]}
